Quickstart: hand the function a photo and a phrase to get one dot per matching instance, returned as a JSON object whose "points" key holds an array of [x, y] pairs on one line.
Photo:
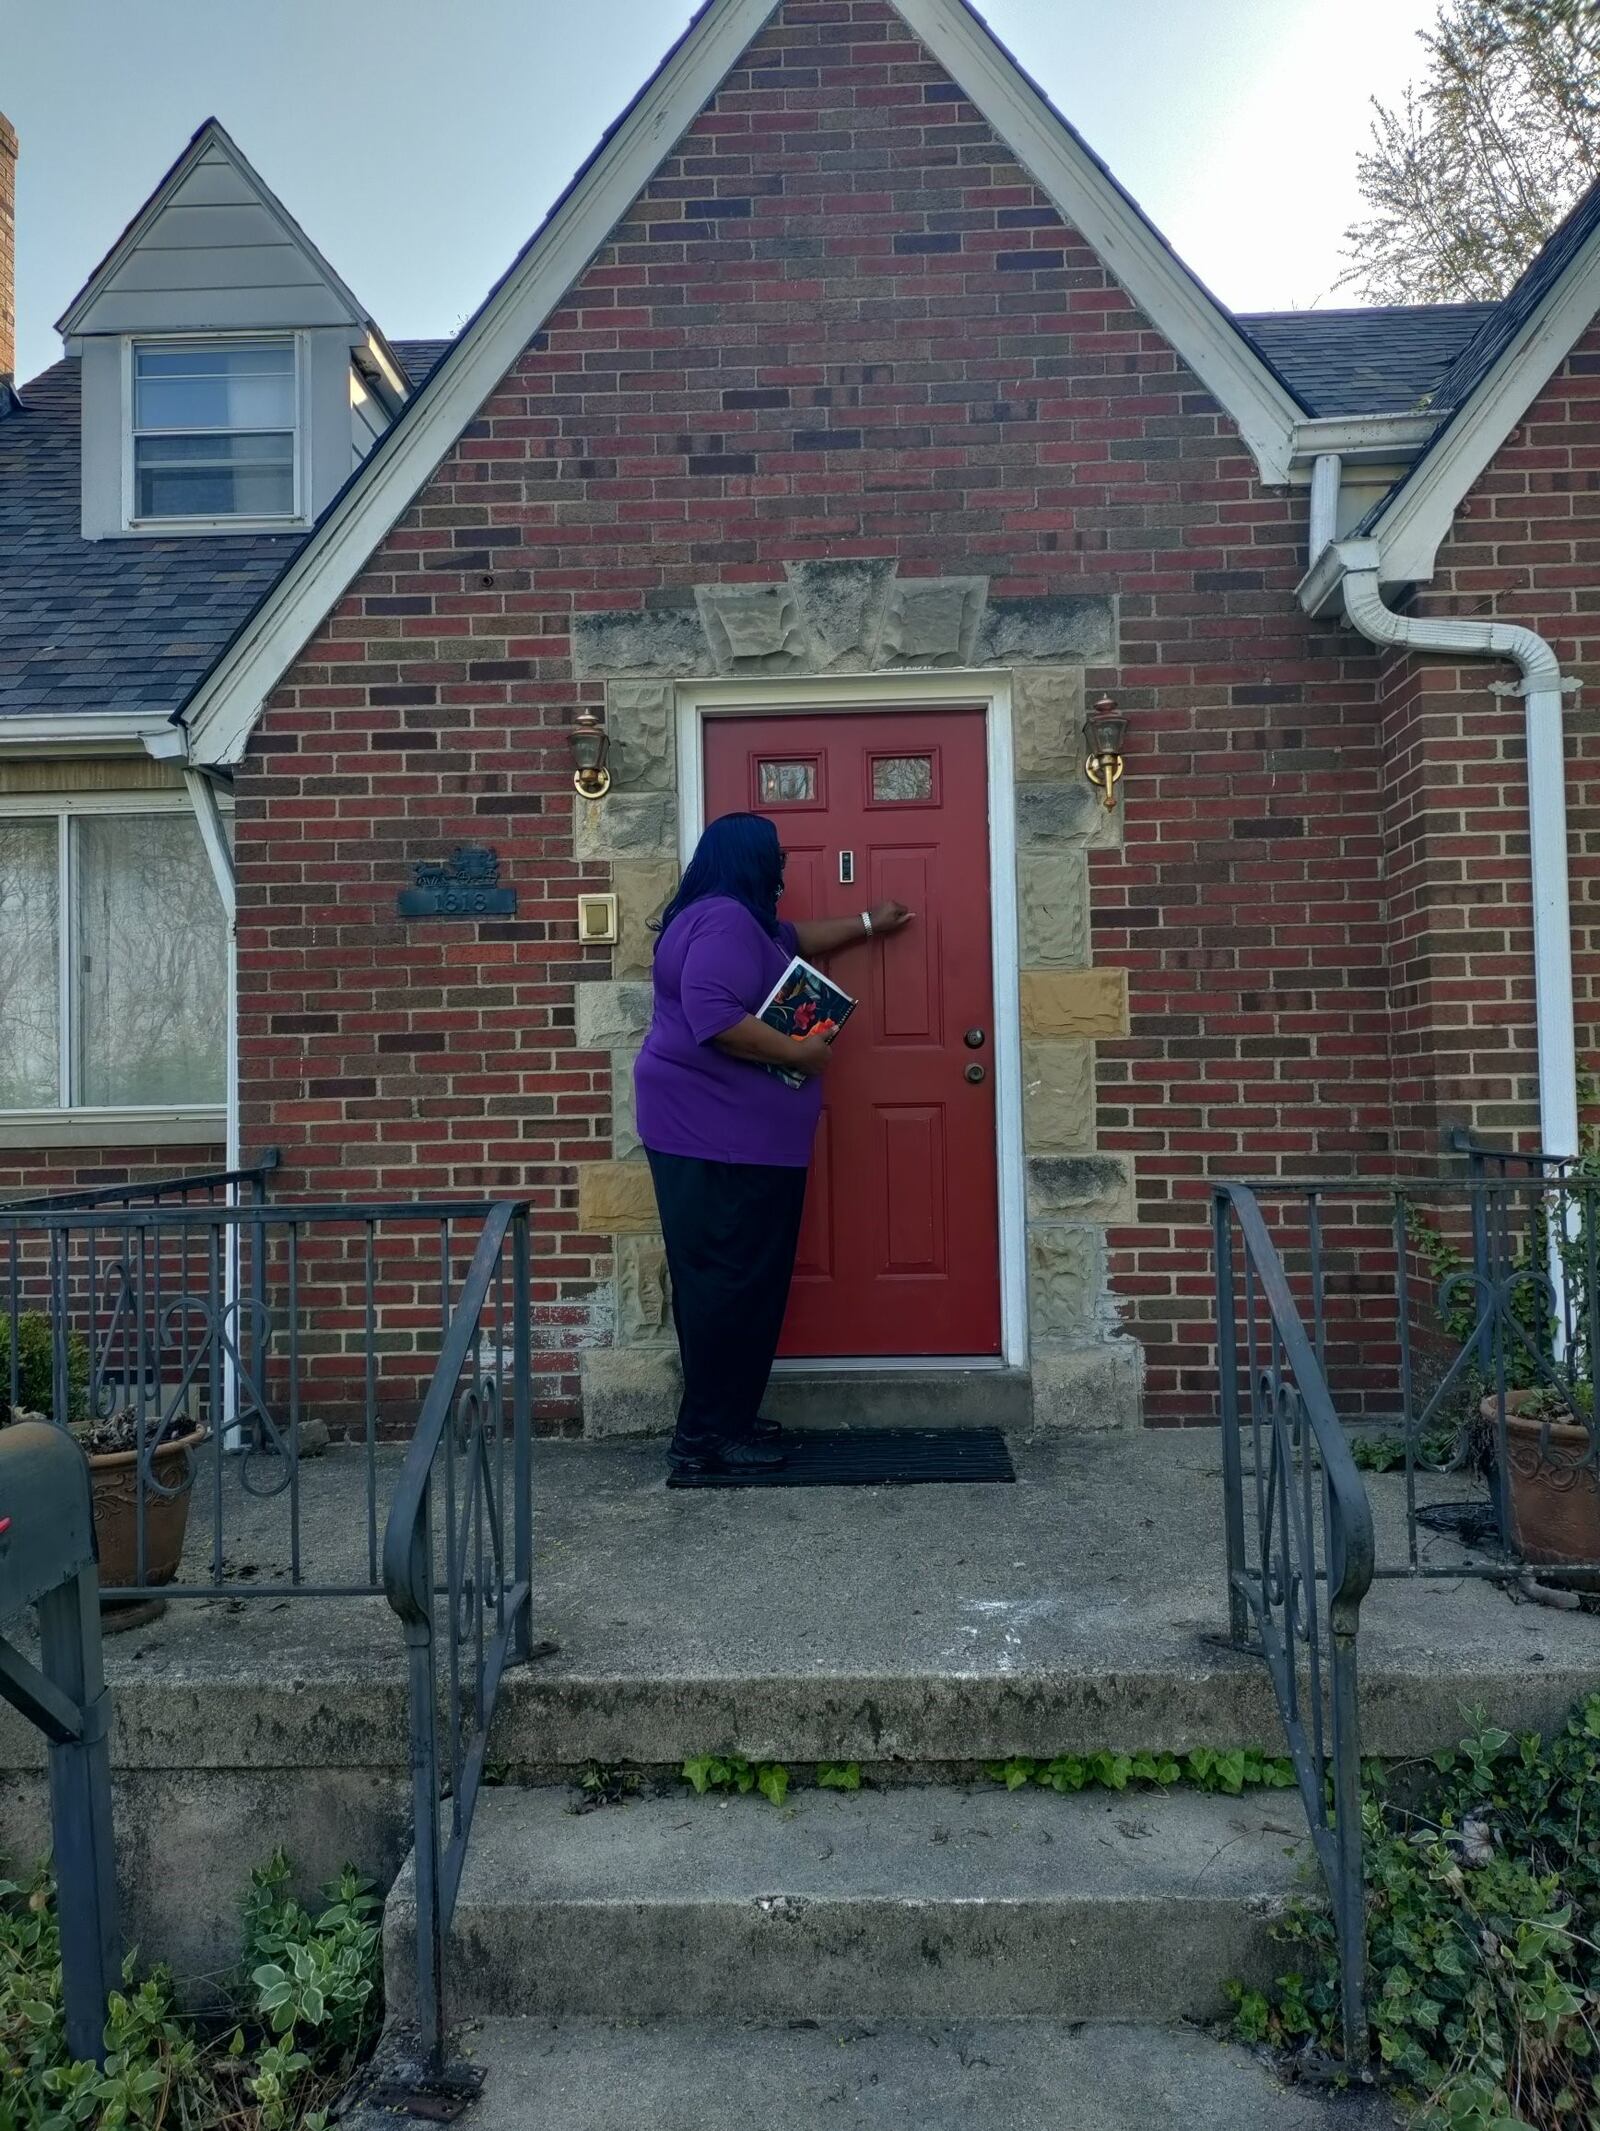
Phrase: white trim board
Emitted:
{"points": [[991, 694], [223, 709]]}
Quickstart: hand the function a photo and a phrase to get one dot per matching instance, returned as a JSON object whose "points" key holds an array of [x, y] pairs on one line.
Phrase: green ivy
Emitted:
{"points": [[1483, 1937], [306, 2006], [1240, 1768], [732, 1772]]}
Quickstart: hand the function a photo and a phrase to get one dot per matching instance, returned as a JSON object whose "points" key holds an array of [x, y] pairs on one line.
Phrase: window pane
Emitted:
{"points": [[902, 777], [29, 994], [214, 477], [214, 388], [152, 970], [788, 781]]}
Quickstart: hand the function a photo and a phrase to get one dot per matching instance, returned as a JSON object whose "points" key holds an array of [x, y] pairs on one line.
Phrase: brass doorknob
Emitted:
{"points": [[975, 1074]]}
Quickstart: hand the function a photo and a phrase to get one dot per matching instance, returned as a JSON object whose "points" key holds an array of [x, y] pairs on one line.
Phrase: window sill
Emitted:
{"points": [[172, 528], [201, 1125]]}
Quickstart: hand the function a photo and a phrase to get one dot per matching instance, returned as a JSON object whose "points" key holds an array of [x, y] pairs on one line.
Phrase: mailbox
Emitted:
{"points": [[46, 1515]]}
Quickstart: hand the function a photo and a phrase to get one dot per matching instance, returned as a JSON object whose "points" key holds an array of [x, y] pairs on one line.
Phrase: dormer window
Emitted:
{"points": [[214, 432]]}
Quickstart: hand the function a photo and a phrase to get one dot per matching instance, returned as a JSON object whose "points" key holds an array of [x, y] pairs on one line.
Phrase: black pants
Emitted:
{"points": [[731, 1229]]}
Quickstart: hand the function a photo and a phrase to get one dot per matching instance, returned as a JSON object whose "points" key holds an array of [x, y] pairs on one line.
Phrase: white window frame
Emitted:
{"points": [[990, 693], [71, 1123], [300, 457]]}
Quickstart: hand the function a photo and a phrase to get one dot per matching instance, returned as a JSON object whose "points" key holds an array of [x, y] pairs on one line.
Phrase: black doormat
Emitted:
{"points": [[875, 1457]]}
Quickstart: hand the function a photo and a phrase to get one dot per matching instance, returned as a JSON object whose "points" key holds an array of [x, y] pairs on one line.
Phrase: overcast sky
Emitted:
{"points": [[419, 142]]}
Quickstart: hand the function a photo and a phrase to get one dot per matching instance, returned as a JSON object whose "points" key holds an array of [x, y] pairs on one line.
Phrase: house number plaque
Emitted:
{"points": [[466, 885]]}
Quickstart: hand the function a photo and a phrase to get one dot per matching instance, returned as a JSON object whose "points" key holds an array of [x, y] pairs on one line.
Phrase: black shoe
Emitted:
{"points": [[727, 1461], [764, 1431]]}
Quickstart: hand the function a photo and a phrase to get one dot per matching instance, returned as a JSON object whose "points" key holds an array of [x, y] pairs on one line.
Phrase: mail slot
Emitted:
{"points": [[45, 1511]]}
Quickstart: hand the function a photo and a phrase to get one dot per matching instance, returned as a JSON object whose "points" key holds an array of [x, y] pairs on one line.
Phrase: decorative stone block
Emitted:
{"points": [[1086, 1187], [667, 641], [643, 890], [1097, 1387], [624, 1125], [644, 1298], [1080, 629], [629, 1390], [609, 1016], [1052, 815], [1066, 1281], [842, 607], [753, 628], [625, 825], [1053, 897], [933, 621], [617, 1199], [641, 718], [1047, 721], [1058, 1097], [1074, 1002]]}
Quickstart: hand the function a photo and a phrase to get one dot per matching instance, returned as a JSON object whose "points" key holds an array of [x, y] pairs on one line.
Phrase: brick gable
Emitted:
{"points": [[841, 322]]}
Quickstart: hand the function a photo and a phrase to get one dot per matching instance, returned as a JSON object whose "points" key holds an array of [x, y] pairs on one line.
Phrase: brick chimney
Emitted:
{"points": [[8, 247]]}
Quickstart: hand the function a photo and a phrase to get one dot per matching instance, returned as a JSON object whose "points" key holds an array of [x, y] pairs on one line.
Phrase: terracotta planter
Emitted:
{"points": [[115, 1483], [1554, 1494]]}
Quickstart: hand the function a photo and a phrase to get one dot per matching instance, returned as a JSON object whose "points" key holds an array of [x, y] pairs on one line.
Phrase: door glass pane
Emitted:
{"points": [[152, 963], [29, 982], [788, 781], [902, 776]]}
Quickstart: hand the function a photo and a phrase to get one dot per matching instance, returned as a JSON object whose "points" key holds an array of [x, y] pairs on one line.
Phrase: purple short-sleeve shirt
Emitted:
{"points": [[715, 965]]}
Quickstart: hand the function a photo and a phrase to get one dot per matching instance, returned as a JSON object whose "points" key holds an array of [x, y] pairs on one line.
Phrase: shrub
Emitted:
{"points": [[36, 1367], [1483, 1912]]}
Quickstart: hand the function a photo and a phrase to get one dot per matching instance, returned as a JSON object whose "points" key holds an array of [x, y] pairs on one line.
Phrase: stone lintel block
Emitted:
{"points": [[629, 1390], [667, 642], [1066, 1281], [624, 825], [1091, 1387], [1074, 1002], [643, 888], [642, 719], [1058, 1096], [609, 1016], [1047, 721], [1085, 1187], [624, 1125], [1053, 903], [933, 621], [1067, 628], [842, 609], [617, 1199], [754, 628], [644, 1295]]}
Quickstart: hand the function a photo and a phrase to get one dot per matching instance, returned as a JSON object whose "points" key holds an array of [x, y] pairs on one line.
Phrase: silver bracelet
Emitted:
{"points": [[866, 921]]}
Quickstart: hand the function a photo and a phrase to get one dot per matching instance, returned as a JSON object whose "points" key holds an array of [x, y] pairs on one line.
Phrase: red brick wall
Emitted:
{"points": [[25, 1174], [1526, 548], [841, 322]]}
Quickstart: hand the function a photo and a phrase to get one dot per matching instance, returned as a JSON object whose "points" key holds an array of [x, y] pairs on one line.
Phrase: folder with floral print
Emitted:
{"points": [[801, 1002]]}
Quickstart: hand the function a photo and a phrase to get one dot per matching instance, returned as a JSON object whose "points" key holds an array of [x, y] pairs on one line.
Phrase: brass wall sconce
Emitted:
{"points": [[1103, 731], [591, 744]]}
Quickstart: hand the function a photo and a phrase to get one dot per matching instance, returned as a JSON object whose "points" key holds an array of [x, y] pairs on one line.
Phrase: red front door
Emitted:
{"points": [[900, 1249]]}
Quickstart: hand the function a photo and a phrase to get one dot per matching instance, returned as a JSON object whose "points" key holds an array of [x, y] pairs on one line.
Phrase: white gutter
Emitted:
{"points": [[1541, 687], [214, 835]]}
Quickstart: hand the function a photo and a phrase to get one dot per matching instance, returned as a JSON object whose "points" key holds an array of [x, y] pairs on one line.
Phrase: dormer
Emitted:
{"points": [[231, 382]]}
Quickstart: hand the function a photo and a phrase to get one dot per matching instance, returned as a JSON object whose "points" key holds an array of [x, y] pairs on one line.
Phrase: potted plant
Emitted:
{"points": [[114, 1446], [1552, 1478]]}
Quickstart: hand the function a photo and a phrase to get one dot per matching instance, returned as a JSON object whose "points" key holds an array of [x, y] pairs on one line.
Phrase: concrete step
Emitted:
{"points": [[900, 1398], [972, 2075], [931, 1903]]}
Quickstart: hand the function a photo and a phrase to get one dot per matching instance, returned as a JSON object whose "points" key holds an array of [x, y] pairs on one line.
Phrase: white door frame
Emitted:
{"points": [[990, 693]]}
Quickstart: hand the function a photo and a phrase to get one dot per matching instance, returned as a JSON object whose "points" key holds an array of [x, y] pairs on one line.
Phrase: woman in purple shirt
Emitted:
{"points": [[729, 1143]]}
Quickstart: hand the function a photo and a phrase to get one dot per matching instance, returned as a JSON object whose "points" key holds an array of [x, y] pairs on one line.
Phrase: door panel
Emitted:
{"points": [[899, 1250]]}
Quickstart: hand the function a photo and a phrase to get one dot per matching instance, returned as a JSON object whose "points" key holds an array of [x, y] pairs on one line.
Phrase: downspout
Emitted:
{"points": [[1541, 687]]}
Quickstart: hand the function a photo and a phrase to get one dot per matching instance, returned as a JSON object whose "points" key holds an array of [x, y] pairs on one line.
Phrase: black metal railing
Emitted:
{"points": [[457, 1567], [209, 1187], [216, 1346], [1300, 1552]]}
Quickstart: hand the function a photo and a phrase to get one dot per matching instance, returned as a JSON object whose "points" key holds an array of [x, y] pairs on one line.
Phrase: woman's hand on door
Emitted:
{"points": [[889, 917], [825, 936]]}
